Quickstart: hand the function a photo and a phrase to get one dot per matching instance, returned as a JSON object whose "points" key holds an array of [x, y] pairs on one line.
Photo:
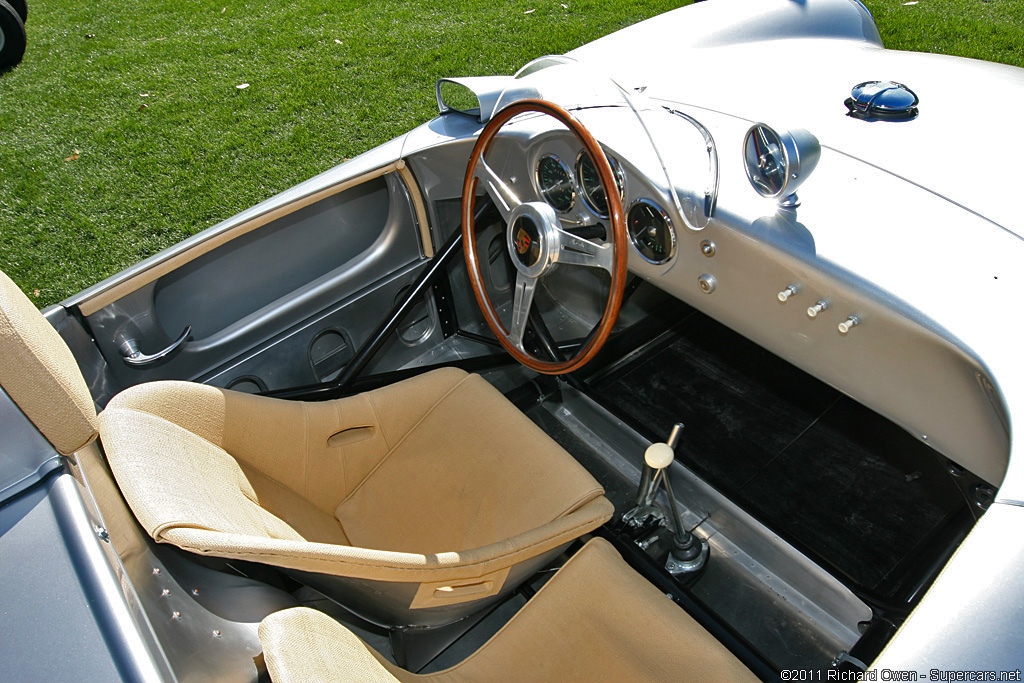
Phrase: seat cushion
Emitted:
{"points": [[472, 470], [595, 620]]}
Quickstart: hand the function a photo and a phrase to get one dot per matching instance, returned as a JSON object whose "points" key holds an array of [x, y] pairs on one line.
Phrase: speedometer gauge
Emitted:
{"points": [[555, 183], [651, 231], [590, 183]]}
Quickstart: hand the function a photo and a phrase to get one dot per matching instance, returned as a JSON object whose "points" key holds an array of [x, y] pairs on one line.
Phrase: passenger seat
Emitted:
{"points": [[595, 620]]}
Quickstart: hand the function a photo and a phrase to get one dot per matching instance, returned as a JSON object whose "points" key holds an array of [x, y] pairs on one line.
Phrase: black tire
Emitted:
{"points": [[21, 7], [12, 36]]}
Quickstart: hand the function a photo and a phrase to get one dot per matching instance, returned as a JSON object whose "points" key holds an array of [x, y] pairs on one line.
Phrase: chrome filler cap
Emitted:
{"points": [[882, 101]]}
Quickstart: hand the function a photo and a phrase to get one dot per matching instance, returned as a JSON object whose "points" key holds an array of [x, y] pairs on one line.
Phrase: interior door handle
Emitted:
{"points": [[135, 358]]}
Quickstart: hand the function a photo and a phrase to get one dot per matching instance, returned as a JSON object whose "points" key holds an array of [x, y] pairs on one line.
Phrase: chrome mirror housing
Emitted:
{"points": [[778, 163]]}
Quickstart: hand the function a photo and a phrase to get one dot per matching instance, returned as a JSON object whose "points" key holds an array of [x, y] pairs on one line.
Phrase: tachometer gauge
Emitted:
{"points": [[590, 183], [651, 231], [555, 183]]}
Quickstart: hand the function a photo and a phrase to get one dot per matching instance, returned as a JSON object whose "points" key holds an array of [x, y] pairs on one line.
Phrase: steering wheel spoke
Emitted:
{"points": [[522, 301], [577, 251], [504, 198]]}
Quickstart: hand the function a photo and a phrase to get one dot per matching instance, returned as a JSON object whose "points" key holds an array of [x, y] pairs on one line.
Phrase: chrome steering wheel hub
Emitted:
{"points": [[533, 238]]}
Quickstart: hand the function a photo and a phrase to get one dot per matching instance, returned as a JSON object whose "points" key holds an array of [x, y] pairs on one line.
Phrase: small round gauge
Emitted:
{"points": [[590, 183], [766, 162], [651, 231], [555, 183]]}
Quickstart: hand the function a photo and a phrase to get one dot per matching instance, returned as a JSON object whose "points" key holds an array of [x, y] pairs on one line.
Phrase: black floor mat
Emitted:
{"points": [[820, 469]]}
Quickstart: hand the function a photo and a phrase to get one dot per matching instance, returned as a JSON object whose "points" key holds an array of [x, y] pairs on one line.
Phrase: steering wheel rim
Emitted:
{"points": [[538, 222]]}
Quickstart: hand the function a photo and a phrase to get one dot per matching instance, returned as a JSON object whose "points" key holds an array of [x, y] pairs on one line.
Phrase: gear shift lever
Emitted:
{"points": [[648, 490], [689, 553]]}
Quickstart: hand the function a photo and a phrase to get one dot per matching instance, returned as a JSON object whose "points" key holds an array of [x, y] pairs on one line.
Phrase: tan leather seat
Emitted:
{"points": [[595, 620], [436, 490], [415, 504]]}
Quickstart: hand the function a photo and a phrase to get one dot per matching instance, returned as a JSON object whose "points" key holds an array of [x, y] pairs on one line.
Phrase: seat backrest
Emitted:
{"points": [[39, 373]]}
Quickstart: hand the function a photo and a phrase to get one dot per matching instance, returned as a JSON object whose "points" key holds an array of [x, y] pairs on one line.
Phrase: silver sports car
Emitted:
{"points": [[692, 354]]}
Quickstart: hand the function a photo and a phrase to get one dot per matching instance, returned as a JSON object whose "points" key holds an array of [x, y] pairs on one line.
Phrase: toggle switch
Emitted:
{"points": [[789, 291], [817, 308], [848, 324]]}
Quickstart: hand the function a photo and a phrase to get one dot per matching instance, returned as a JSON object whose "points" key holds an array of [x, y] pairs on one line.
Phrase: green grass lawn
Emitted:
{"points": [[124, 131]]}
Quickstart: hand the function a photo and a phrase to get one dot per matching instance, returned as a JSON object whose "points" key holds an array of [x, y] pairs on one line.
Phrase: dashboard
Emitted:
{"points": [[791, 270]]}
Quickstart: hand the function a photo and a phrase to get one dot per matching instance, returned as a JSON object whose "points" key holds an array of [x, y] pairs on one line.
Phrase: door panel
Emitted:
{"points": [[289, 360], [258, 299], [218, 289]]}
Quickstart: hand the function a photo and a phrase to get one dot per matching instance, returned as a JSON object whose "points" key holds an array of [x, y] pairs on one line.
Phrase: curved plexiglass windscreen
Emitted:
{"points": [[667, 147]]}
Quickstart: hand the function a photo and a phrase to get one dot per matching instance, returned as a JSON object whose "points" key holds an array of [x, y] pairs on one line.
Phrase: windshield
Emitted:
{"points": [[667, 146]]}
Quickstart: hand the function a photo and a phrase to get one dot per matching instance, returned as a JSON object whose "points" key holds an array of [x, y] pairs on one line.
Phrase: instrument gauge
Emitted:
{"points": [[554, 180], [590, 183], [651, 232]]}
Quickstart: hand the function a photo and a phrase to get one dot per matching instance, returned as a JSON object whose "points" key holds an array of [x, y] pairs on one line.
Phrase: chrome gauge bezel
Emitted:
{"points": [[668, 224], [544, 192], [620, 181]]}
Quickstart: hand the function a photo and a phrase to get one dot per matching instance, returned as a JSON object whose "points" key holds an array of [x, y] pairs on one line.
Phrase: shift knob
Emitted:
{"points": [[659, 455]]}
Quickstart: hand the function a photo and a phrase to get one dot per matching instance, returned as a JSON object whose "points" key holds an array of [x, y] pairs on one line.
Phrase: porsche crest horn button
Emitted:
{"points": [[526, 239]]}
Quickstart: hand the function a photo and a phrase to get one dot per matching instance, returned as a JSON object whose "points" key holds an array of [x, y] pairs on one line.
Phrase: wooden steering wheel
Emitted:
{"points": [[537, 242]]}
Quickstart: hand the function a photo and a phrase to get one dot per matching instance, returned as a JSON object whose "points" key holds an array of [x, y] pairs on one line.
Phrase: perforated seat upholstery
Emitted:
{"points": [[595, 620], [414, 504], [40, 375]]}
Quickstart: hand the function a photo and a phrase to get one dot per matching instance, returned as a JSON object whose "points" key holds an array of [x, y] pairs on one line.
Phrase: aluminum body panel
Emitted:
{"points": [[732, 23], [971, 619], [966, 162], [202, 619], [61, 600], [26, 457]]}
